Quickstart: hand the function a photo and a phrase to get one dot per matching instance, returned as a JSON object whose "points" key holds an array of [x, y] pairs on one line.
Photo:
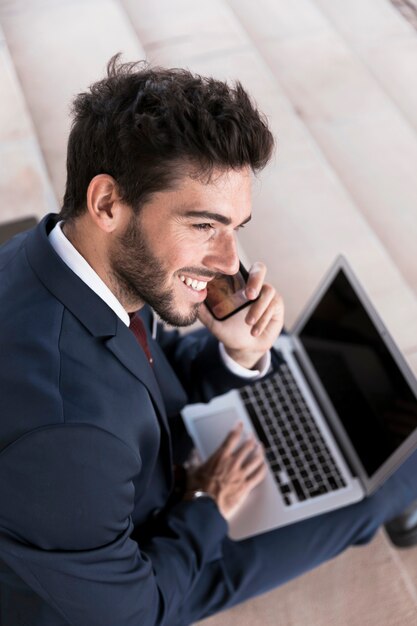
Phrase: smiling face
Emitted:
{"points": [[181, 239]]}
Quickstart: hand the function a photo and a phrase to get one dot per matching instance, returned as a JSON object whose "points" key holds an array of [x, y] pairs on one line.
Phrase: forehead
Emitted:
{"points": [[227, 193]]}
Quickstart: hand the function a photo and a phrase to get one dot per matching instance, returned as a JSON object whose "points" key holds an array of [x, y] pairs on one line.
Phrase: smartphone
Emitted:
{"points": [[226, 294]]}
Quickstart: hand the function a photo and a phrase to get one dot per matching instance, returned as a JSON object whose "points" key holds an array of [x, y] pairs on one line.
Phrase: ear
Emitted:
{"points": [[103, 202]]}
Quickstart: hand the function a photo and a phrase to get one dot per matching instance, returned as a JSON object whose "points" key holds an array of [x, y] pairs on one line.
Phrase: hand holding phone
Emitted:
{"points": [[246, 338]]}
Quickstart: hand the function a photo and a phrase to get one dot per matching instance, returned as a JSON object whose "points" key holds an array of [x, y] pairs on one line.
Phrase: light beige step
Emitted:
{"points": [[363, 587], [303, 216], [25, 189], [206, 27], [58, 49], [362, 133], [384, 41]]}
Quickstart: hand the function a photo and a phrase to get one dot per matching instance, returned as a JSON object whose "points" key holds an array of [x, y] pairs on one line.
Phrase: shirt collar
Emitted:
{"points": [[77, 263]]}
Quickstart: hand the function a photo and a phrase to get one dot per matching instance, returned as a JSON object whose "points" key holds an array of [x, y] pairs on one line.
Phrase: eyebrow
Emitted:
{"points": [[217, 217]]}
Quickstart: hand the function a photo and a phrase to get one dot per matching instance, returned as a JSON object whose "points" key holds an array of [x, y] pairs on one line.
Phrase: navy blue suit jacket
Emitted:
{"points": [[86, 454]]}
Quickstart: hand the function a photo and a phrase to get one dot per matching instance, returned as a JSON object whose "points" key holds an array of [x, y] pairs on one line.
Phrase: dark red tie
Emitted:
{"points": [[138, 329]]}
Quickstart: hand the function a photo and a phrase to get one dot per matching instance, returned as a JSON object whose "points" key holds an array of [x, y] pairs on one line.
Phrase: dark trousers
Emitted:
{"points": [[256, 565]]}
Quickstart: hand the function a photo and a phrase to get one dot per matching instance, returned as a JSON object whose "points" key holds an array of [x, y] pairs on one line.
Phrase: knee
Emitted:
{"points": [[376, 510]]}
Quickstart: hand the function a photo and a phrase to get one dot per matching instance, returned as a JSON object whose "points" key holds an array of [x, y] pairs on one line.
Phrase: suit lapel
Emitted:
{"points": [[126, 349]]}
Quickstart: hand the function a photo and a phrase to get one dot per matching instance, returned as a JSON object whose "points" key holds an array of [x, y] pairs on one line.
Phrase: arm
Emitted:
{"points": [[196, 360], [67, 496]]}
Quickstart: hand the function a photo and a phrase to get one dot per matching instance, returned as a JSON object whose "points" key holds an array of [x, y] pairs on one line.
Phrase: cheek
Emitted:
{"points": [[185, 250], [178, 247]]}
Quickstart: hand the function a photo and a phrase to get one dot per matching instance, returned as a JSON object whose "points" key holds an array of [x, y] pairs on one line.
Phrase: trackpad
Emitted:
{"points": [[209, 431]]}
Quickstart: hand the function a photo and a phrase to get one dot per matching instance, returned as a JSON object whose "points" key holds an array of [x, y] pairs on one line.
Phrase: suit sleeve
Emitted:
{"points": [[65, 526], [196, 360]]}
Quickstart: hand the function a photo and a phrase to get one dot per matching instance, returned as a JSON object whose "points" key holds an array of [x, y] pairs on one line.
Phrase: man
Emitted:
{"points": [[96, 527]]}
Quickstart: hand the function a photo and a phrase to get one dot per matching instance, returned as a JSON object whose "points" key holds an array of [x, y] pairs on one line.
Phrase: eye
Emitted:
{"points": [[203, 227], [240, 227]]}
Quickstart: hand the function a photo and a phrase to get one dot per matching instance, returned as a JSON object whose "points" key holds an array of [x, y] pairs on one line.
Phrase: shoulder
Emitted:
{"points": [[73, 482]]}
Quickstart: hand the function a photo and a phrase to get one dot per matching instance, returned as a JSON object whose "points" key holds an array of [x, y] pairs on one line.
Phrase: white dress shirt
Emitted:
{"points": [[77, 263]]}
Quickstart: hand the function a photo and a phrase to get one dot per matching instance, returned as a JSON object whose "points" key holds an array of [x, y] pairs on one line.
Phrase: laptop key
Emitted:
{"points": [[319, 491], [333, 483], [298, 489]]}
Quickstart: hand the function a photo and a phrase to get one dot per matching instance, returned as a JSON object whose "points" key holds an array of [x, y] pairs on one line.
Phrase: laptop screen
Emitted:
{"points": [[362, 379]]}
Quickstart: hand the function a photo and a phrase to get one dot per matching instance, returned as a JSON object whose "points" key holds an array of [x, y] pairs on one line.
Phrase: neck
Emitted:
{"points": [[94, 250]]}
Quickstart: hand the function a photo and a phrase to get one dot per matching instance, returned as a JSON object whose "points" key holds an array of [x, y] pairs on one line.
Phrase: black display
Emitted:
{"points": [[364, 383]]}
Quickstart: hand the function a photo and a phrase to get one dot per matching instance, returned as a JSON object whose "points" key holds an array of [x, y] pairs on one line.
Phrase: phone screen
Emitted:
{"points": [[226, 294]]}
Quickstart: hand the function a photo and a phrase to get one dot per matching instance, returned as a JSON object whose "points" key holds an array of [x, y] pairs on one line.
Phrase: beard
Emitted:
{"points": [[138, 275]]}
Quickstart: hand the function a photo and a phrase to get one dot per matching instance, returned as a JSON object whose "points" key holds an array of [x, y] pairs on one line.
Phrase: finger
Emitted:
{"points": [[255, 280], [274, 326], [258, 308], [244, 452], [254, 462], [274, 312], [256, 477], [252, 481]]}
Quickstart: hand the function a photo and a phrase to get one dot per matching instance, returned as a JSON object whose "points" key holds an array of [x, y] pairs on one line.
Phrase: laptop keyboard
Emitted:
{"points": [[298, 455]]}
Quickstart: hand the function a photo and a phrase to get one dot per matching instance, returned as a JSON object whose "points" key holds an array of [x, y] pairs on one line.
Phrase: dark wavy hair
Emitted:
{"points": [[147, 126]]}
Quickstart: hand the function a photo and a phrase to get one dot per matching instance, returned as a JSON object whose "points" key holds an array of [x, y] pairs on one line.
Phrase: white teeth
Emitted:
{"points": [[198, 285]]}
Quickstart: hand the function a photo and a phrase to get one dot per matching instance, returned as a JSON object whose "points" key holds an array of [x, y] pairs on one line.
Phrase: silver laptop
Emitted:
{"points": [[337, 418]]}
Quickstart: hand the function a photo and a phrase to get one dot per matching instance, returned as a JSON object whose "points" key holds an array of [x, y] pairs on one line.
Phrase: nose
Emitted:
{"points": [[223, 258]]}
